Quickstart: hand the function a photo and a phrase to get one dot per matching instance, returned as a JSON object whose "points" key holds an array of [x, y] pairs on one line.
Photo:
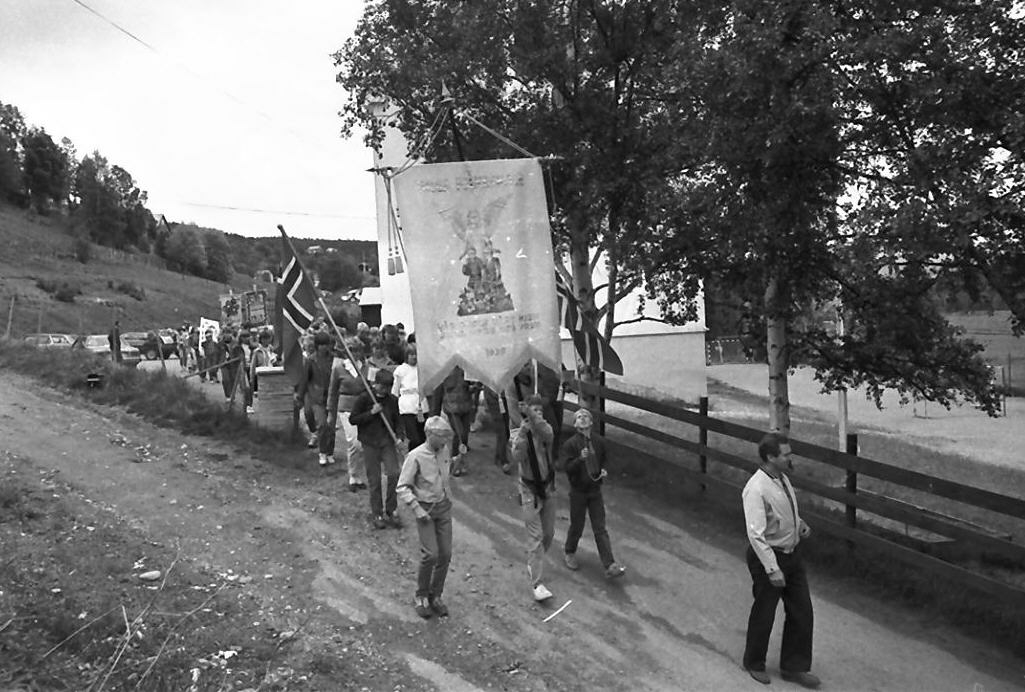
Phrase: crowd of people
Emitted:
{"points": [[402, 444]]}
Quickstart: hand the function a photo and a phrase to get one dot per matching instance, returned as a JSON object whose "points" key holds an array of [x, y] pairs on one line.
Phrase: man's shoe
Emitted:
{"points": [[571, 561], [353, 487], [759, 675], [312, 442], [379, 522], [250, 410], [393, 519], [541, 593], [614, 571], [330, 459], [506, 469], [439, 607], [423, 608], [323, 460], [804, 679]]}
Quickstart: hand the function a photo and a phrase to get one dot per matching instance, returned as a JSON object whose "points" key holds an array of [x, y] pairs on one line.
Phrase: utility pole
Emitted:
{"points": [[841, 395]]}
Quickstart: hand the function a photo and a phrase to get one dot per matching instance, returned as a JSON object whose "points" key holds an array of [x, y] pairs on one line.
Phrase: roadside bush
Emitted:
{"points": [[83, 249], [130, 289], [63, 291]]}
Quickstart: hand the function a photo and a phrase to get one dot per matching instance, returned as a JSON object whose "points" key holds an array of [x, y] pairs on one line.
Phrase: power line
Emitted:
{"points": [[277, 211], [185, 68]]}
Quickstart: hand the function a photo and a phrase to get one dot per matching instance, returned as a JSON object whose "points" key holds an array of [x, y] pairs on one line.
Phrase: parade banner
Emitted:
{"points": [[478, 249], [208, 324], [231, 310], [254, 308]]}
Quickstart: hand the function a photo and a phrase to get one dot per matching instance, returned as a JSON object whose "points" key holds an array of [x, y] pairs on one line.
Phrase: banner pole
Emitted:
{"points": [[338, 332]]}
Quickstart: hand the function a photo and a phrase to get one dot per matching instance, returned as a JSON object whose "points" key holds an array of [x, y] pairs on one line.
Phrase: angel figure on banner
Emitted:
{"points": [[485, 293]]}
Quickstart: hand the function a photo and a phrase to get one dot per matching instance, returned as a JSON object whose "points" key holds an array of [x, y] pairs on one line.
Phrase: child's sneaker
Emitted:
{"points": [[422, 607], [614, 571], [541, 593], [439, 607]]}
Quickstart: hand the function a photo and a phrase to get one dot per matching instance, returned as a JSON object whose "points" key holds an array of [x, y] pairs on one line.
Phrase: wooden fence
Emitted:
{"points": [[850, 527]]}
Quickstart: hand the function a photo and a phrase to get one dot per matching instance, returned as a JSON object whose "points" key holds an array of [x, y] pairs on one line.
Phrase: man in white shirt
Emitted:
{"points": [[774, 531]]}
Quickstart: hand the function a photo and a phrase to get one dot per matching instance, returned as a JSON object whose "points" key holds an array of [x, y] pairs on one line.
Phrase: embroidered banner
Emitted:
{"points": [[479, 254]]}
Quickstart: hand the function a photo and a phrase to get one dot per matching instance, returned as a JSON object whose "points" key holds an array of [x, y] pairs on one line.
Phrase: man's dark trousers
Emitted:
{"points": [[795, 654], [588, 503]]}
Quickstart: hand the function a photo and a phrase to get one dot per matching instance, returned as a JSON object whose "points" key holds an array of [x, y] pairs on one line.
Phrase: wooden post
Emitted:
{"points": [[160, 351], [10, 318], [703, 434], [851, 482]]}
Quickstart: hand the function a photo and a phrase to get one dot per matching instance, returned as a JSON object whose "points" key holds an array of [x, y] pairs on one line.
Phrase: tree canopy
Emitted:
{"points": [[572, 80], [804, 154]]}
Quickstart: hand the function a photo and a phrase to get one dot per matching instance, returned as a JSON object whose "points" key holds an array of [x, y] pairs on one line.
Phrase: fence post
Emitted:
{"points": [[703, 434], [10, 318], [851, 483]]}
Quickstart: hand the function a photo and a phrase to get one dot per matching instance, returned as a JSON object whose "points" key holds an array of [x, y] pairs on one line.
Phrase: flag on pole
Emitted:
{"points": [[293, 311], [479, 256], [591, 346]]}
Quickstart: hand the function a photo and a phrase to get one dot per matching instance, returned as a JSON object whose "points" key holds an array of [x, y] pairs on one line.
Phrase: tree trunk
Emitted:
{"points": [[583, 289], [776, 343]]}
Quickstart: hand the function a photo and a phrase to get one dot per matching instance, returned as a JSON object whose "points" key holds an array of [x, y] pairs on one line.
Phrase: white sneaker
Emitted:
{"points": [[323, 460], [330, 459], [250, 410], [541, 593]]}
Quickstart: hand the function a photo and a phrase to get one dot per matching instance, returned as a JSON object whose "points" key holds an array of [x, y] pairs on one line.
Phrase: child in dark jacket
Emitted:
{"points": [[368, 415], [584, 458]]}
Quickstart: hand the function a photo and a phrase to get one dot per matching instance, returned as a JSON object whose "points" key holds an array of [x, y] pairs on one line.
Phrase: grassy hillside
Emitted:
{"points": [[136, 288]]}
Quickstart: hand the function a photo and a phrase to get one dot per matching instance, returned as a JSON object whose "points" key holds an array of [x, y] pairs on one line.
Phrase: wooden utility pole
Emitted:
{"points": [[10, 318]]}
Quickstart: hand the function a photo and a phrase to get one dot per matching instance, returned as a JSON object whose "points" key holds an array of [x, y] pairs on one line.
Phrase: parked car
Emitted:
{"points": [[50, 340], [150, 345], [98, 344]]}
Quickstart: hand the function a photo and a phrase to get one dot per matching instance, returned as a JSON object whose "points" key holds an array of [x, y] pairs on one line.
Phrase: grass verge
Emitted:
{"points": [[157, 396]]}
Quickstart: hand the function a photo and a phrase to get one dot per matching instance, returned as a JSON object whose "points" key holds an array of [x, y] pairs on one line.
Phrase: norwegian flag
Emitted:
{"points": [[591, 346], [294, 311]]}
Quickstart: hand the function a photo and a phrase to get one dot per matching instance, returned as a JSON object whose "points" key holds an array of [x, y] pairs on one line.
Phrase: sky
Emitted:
{"points": [[224, 111]]}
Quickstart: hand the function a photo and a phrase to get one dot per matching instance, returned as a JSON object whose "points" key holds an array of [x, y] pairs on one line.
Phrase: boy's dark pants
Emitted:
{"points": [[795, 653], [376, 456], [435, 549], [582, 504]]}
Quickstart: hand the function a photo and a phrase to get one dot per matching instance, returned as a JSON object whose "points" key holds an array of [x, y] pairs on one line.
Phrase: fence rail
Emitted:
{"points": [[848, 494]]}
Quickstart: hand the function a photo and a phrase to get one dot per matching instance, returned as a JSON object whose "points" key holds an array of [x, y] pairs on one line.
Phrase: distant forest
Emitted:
{"points": [[107, 207]]}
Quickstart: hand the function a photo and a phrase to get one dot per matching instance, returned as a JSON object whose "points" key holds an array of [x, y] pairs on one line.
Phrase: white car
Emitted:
{"points": [[100, 345]]}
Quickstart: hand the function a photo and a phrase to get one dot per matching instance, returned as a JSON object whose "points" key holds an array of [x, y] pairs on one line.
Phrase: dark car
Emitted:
{"points": [[151, 345]]}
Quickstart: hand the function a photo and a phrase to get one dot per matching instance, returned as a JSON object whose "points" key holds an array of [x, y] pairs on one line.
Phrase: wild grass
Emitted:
{"points": [[157, 396]]}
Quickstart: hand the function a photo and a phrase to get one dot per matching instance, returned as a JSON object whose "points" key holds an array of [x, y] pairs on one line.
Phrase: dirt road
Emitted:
{"points": [[675, 622]]}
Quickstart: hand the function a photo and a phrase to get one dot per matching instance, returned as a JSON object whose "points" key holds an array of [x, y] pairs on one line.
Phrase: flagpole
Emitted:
{"points": [[338, 332]]}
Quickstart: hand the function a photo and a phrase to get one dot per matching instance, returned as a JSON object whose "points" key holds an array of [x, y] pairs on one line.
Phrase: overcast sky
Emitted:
{"points": [[229, 108]]}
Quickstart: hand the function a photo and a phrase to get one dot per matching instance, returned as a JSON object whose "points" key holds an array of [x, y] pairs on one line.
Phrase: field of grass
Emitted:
{"points": [[38, 251], [1003, 349]]}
